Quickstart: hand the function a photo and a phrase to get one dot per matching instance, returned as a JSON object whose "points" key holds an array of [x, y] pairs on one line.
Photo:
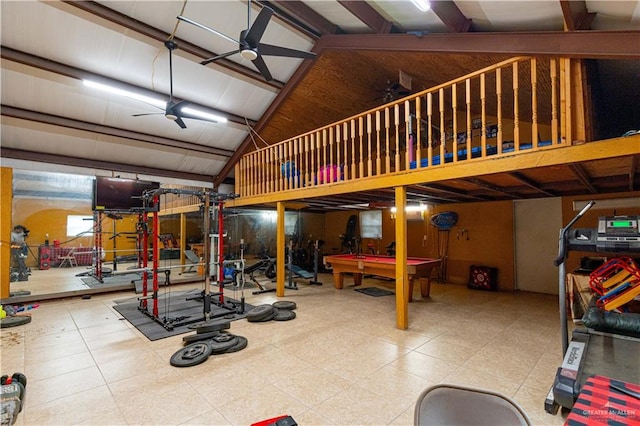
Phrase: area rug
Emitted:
{"points": [[375, 291], [178, 313]]}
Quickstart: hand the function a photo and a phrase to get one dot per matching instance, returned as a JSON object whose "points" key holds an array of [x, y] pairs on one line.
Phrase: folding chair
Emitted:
{"points": [[454, 405], [69, 258]]}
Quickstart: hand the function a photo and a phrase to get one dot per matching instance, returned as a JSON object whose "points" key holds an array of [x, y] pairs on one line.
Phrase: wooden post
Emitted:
{"points": [[554, 101], [499, 107], [516, 112], [534, 103], [396, 113], [483, 118], [387, 123], [468, 100], [402, 280], [430, 129], [378, 160], [418, 140], [280, 243], [360, 135]]}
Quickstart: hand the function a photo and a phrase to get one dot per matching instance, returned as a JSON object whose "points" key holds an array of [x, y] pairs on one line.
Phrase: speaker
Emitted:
{"points": [[44, 254]]}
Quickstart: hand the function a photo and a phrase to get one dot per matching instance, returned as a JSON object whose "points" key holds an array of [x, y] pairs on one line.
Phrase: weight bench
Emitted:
{"points": [[191, 257]]}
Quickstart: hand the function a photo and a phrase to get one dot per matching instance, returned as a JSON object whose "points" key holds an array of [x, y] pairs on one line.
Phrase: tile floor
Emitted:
{"points": [[340, 362]]}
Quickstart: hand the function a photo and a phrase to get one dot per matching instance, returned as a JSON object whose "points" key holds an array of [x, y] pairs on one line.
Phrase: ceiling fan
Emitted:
{"points": [[249, 46], [176, 111]]}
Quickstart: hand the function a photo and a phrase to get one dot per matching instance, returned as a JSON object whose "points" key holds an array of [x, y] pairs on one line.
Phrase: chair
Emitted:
{"points": [[69, 258], [454, 405]]}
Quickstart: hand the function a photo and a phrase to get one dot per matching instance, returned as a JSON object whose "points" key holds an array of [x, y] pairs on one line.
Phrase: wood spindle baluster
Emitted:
{"points": [[345, 142], [323, 169], [252, 165], [516, 112], [319, 155], [298, 163], [332, 165], [361, 147], [454, 107], [396, 116], [554, 101], [353, 149], [567, 111], [378, 160], [338, 150], [534, 102], [443, 136], [387, 123], [483, 116], [499, 108], [282, 161], [418, 132], [408, 151], [468, 101], [369, 160], [314, 165], [307, 165], [261, 187], [429, 128]]}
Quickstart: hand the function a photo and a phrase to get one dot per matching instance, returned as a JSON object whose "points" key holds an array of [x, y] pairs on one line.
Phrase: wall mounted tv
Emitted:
{"points": [[121, 194]]}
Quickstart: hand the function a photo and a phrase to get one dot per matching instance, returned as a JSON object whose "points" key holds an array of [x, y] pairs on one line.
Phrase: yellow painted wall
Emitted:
{"points": [[6, 188], [489, 226]]}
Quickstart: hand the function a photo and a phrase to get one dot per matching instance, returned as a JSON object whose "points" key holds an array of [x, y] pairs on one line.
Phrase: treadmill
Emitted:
{"points": [[592, 352]]}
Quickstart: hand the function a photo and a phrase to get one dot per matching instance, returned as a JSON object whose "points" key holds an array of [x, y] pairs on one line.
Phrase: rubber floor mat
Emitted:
{"points": [[375, 291]]}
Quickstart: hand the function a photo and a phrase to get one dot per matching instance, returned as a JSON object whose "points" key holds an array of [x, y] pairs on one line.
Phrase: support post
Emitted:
{"points": [[280, 243], [402, 279]]}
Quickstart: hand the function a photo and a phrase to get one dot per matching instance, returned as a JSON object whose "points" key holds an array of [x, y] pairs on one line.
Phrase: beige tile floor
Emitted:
{"points": [[340, 362]]}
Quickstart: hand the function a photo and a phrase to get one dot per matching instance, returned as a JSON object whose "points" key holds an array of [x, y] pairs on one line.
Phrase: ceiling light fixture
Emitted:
{"points": [[116, 91], [202, 114], [423, 5]]}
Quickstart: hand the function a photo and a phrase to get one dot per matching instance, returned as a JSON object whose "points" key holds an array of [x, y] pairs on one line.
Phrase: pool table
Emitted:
{"points": [[384, 266]]}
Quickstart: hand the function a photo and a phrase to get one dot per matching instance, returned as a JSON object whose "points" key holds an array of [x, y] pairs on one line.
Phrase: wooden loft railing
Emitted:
{"points": [[518, 105]]}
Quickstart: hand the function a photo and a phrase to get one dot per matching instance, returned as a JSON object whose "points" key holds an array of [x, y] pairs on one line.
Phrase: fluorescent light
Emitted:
{"points": [[202, 114], [412, 208], [423, 5], [114, 90]]}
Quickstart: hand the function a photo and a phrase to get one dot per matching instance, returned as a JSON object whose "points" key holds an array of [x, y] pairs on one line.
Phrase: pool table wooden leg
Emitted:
{"points": [[425, 286], [338, 280], [357, 279]]}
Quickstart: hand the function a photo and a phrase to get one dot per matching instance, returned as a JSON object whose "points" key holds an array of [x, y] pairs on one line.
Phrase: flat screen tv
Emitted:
{"points": [[122, 194]]}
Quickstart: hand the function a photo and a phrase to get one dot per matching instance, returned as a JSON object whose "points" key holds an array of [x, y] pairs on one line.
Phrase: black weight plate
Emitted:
{"points": [[221, 347], [285, 304], [259, 312], [284, 315], [207, 327], [192, 354], [240, 345], [265, 318], [7, 322], [197, 337], [223, 337]]}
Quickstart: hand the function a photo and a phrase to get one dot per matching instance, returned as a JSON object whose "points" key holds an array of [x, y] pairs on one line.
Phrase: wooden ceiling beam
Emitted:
{"points": [[368, 15], [576, 16], [578, 44], [69, 123], [583, 177], [486, 185], [80, 74], [40, 157], [125, 21], [531, 184], [451, 16], [305, 14], [447, 190]]}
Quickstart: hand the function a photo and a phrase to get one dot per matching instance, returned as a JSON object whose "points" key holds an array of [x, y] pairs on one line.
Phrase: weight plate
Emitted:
{"points": [[242, 343], [7, 322], [268, 317], [221, 347], [285, 304], [192, 354], [223, 337], [199, 336], [207, 327], [259, 312], [284, 315]]}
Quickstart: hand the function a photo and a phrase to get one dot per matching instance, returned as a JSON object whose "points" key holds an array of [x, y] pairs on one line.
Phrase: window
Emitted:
{"points": [[79, 225], [371, 224]]}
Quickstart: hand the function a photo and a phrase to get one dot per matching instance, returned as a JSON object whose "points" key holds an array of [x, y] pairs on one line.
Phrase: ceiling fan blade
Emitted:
{"points": [[215, 58], [256, 31], [262, 67], [270, 50], [148, 113], [204, 27], [180, 122]]}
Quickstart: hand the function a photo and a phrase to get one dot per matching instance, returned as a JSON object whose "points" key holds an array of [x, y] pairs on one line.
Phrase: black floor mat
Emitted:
{"points": [[375, 291], [175, 310], [110, 280]]}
